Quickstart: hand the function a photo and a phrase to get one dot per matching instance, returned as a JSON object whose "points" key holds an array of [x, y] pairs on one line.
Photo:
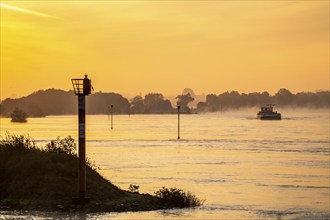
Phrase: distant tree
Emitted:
{"points": [[190, 91], [322, 99], [1, 109], [49, 102], [59, 102], [201, 107], [42, 103], [35, 110], [155, 103], [284, 97], [137, 105], [212, 102], [264, 98], [18, 115], [234, 99], [98, 103], [183, 102]]}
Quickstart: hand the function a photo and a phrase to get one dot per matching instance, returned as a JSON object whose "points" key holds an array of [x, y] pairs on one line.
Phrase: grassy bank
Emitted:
{"points": [[46, 179]]}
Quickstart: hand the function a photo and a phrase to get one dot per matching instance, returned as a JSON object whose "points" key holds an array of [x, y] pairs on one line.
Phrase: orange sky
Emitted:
{"points": [[133, 47]]}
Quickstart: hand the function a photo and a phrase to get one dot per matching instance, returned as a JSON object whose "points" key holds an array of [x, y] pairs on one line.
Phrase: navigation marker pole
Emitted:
{"points": [[111, 117], [82, 146], [82, 87], [178, 122], [108, 113]]}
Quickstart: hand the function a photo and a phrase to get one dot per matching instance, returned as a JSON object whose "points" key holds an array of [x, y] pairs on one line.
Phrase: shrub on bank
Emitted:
{"points": [[18, 141], [66, 145], [174, 197]]}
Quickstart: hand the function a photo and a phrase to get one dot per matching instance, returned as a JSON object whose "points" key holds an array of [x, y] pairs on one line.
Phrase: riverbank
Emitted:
{"points": [[46, 180]]}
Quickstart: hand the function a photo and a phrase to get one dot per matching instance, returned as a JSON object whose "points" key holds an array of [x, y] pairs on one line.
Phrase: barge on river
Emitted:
{"points": [[267, 113]]}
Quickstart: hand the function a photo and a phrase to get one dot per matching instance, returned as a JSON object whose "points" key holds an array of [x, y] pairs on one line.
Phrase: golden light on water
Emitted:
{"points": [[243, 167]]}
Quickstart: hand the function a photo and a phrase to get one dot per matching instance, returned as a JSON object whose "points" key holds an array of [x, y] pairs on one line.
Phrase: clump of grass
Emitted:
{"points": [[134, 188], [174, 197], [66, 145], [18, 141]]}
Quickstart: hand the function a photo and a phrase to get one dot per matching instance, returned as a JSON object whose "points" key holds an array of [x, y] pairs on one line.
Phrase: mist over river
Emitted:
{"points": [[244, 168]]}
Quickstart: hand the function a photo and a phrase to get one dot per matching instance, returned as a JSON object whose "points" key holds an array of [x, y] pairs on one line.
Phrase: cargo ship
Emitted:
{"points": [[267, 113]]}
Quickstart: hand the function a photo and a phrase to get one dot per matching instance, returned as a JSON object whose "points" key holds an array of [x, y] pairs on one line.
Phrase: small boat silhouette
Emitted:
{"points": [[267, 113]]}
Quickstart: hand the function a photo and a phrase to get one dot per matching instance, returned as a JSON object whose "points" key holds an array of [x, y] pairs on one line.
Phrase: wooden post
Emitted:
{"points": [[108, 113], [111, 117], [178, 122], [82, 146]]}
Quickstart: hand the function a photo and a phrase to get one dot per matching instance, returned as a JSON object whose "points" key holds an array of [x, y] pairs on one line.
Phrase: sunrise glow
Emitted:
{"points": [[134, 47]]}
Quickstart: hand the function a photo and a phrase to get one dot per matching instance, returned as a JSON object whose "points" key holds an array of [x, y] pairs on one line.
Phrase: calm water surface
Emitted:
{"points": [[244, 168]]}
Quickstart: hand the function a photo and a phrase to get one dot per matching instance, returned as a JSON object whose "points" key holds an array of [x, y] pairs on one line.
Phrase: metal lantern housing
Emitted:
{"points": [[82, 86]]}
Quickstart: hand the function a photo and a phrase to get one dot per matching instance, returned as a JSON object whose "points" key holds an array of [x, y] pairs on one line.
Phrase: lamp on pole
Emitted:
{"points": [[82, 88]]}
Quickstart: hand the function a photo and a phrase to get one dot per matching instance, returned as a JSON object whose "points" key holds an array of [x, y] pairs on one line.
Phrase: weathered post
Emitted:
{"points": [[178, 122], [108, 113], [82, 87], [111, 117]]}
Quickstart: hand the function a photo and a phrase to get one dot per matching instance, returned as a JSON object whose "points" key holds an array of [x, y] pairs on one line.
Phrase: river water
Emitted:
{"points": [[242, 167]]}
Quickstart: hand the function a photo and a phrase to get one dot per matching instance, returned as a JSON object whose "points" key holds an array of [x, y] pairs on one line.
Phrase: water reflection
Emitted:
{"points": [[245, 169]]}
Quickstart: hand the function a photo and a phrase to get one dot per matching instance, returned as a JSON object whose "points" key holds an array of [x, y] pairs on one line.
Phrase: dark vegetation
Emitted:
{"points": [[45, 179], [283, 98], [175, 197], [18, 115], [43, 103], [153, 103], [59, 102], [98, 103], [183, 102]]}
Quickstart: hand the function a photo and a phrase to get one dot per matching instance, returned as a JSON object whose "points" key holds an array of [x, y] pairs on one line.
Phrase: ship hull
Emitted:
{"points": [[269, 116]]}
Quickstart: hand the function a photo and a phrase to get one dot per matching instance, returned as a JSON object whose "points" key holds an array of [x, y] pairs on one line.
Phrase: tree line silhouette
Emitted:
{"points": [[283, 98], [59, 102]]}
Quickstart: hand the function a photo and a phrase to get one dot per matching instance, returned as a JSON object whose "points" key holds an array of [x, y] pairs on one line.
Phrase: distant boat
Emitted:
{"points": [[267, 113]]}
